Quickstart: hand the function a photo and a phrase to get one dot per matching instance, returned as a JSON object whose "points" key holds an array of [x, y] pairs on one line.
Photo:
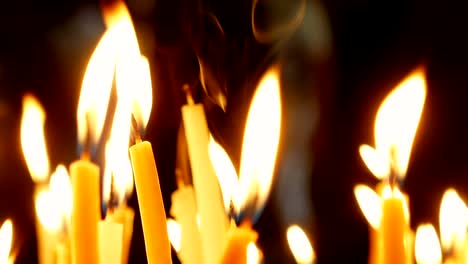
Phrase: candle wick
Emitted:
{"points": [[188, 94], [135, 130], [85, 154], [393, 177]]}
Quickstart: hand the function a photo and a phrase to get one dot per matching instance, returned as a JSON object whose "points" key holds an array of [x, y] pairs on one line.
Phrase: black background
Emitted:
{"points": [[329, 102]]}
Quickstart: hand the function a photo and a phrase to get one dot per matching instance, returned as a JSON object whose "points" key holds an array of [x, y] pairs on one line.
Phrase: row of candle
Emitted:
{"points": [[69, 225]]}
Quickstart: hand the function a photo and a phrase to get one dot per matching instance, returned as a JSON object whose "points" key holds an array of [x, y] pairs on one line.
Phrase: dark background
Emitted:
{"points": [[337, 68]]}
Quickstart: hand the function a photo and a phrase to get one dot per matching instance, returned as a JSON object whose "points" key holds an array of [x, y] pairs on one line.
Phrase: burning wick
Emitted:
{"points": [[188, 94]]}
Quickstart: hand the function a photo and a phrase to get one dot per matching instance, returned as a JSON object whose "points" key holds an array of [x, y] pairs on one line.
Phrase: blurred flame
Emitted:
{"points": [[48, 213], [427, 245], [452, 221], [142, 92], [260, 145], [395, 127], [175, 233], [61, 189], [253, 254], [225, 171], [300, 245], [6, 241], [370, 204], [33, 139]]}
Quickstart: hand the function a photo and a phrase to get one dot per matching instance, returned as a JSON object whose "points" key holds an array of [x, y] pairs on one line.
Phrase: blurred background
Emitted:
{"points": [[339, 59]]}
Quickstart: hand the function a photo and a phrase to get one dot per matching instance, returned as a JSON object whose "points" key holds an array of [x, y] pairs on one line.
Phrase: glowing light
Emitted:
{"points": [[50, 215], [175, 234], [61, 189], [260, 144], [370, 204], [253, 254], [300, 245], [6, 241], [453, 221], [395, 127], [33, 139], [225, 172], [427, 245]]}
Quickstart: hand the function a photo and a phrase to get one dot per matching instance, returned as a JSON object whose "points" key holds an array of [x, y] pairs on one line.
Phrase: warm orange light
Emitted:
{"points": [[452, 221], [253, 254], [389, 192], [33, 139], [260, 145], [370, 204], [49, 215], [175, 234], [427, 245], [142, 92], [395, 127], [225, 171], [300, 245], [6, 241]]}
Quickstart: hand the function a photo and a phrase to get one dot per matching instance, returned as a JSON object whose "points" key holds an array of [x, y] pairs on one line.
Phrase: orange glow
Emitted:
{"points": [[175, 234], [61, 189], [33, 139], [370, 204], [395, 127], [427, 245], [260, 145], [225, 171], [6, 241], [453, 222], [300, 245]]}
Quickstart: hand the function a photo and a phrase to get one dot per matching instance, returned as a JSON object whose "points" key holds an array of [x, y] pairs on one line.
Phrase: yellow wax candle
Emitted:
{"points": [[213, 220], [86, 213], [238, 239], [153, 216], [125, 216], [184, 210], [62, 253], [394, 228], [110, 242], [375, 246]]}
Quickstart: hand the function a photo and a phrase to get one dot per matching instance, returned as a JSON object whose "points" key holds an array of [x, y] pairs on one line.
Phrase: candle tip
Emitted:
{"points": [[188, 94]]}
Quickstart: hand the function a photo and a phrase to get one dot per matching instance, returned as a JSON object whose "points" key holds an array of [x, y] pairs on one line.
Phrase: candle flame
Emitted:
{"points": [[142, 92], [61, 189], [175, 234], [49, 215], [452, 221], [427, 245], [395, 127], [117, 47], [300, 245], [6, 241], [225, 171], [253, 254], [260, 144], [33, 139], [370, 203]]}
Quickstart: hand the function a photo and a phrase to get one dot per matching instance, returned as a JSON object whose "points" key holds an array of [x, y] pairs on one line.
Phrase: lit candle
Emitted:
{"points": [[427, 245], [395, 127], [213, 220], [6, 240], [153, 215], [259, 150], [300, 245], [110, 242]]}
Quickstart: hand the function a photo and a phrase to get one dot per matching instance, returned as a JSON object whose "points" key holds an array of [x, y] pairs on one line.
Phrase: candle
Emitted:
{"points": [[394, 130], [300, 245], [184, 210], [238, 239], [427, 245], [6, 240], [110, 242], [213, 220]]}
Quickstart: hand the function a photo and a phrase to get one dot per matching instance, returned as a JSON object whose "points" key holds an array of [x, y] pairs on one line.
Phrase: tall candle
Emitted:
{"points": [[86, 212], [153, 216], [110, 242], [125, 216], [238, 239], [213, 220]]}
